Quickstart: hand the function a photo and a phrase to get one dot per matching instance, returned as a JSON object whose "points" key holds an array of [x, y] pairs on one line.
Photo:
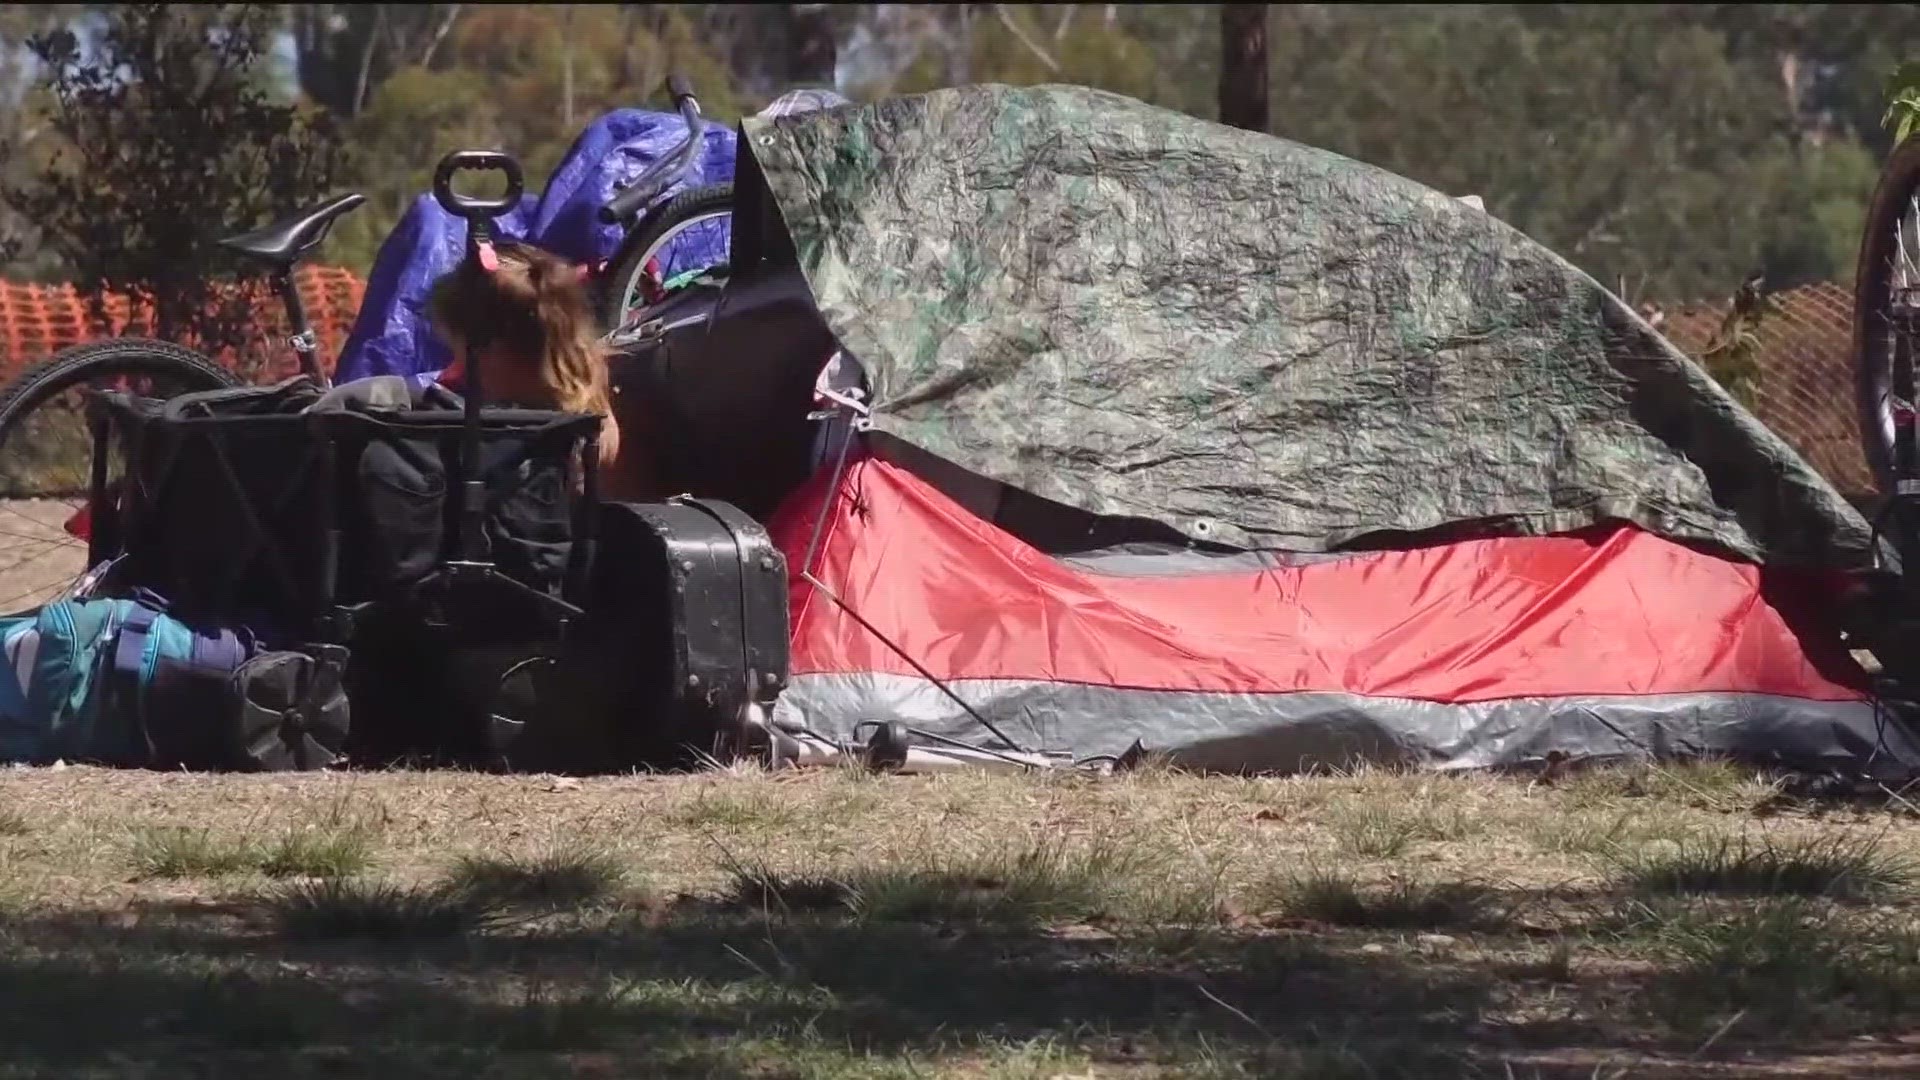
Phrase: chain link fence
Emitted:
{"points": [[1804, 384]]}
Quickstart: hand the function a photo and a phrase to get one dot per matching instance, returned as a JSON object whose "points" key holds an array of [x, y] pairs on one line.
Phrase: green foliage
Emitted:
{"points": [[353, 907], [392, 158], [1788, 964], [1837, 866], [343, 52], [319, 851], [1903, 101], [167, 142], [516, 77], [1818, 212], [179, 852], [1730, 356], [560, 875], [1639, 149], [1028, 45], [1673, 151], [26, 139]]}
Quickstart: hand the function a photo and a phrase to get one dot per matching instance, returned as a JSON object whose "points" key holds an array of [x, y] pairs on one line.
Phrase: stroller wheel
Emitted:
{"points": [[513, 710]]}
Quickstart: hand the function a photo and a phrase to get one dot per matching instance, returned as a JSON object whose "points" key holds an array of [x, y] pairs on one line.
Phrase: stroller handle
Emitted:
{"points": [[466, 206]]}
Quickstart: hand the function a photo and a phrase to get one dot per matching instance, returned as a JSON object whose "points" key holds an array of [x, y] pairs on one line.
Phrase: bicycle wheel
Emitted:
{"points": [[46, 452], [1886, 310], [696, 220]]}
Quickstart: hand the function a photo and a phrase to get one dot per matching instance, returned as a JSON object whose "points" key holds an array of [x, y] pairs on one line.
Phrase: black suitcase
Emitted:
{"points": [[685, 628]]}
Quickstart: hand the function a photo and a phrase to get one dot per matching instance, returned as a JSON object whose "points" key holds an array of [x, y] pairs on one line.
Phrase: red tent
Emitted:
{"points": [[1610, 641]]}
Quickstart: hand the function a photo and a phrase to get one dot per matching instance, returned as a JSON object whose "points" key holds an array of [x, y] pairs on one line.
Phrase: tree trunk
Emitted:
{"points": [[1243, 65], [810, 48], [366, 60], [960, 45], [566, 66]]}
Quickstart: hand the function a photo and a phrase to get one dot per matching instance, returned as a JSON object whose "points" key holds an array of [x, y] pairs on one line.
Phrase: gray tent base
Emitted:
{"points": [[1303, 732]]}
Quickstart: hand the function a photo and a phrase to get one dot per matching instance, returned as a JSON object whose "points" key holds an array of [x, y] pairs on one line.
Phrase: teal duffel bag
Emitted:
{"points": [[121, 682]]}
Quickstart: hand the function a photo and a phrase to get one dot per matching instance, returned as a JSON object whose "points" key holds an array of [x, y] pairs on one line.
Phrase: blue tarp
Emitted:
{"points": [[391, 335]]}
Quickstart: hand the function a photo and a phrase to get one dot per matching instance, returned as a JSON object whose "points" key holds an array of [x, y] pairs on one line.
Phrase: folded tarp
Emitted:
{"points": [[1253, 342]]}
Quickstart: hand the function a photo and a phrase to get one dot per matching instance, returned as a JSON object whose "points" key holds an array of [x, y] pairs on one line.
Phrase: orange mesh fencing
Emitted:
{"points": [[1804, 385], [37, 321], [1804, 391]]}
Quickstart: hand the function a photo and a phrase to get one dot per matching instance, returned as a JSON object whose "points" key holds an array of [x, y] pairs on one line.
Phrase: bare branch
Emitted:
{"points": [[366, 59], [960, 46], [1066, 20], [566, 65], [1013, 27], [439, 35]]}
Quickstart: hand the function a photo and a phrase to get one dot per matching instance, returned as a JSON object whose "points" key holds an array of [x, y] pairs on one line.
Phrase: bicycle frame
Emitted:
{"points": [[304, 342]]}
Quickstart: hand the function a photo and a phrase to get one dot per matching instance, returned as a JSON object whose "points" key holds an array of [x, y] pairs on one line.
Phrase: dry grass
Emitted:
{"points": [[1609, 834], [1030, 885], [179, 851], [329, 847], [1405, 904], [1373, 829], [400, 913], [1838, 866], [1717, 786], [1782, 965], [558, 875], [1630, 922], [320, 853]]}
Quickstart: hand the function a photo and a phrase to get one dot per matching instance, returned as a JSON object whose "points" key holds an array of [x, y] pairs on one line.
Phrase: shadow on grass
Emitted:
{"points": [[701, 991], [706, 989]]}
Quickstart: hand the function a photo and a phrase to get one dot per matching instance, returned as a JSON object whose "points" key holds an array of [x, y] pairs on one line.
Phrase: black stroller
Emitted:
{"points": [[445, 567]]}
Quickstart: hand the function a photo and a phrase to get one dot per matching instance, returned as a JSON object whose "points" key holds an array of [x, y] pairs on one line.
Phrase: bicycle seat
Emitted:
{"points": [[285, 241]]}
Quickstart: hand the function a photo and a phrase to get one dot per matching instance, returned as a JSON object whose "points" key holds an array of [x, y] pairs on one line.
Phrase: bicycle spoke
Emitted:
{"points": [[18, 563], [44, 591], [1904, 262], [15, 511], [37, 539], [713, 225]]}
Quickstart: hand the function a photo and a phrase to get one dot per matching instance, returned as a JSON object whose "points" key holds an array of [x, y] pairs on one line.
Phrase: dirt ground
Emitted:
{"points": [[1670, 922]]}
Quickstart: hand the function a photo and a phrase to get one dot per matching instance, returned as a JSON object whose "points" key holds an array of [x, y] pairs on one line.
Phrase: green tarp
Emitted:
{"points": [[1138, 313]]}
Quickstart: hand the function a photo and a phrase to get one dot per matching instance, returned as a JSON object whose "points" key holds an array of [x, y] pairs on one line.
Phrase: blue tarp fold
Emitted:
{"points": [[391, 335]]}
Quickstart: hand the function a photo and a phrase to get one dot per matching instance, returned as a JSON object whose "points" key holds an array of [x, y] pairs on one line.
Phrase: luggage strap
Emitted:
{"points": [[222, 652], [122, 689], [130, 643]]}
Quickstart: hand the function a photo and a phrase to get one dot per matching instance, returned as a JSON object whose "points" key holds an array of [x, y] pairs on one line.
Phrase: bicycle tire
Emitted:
{"points": [[117, 355], [1872, 339], [656, 224], [36, 561]]}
